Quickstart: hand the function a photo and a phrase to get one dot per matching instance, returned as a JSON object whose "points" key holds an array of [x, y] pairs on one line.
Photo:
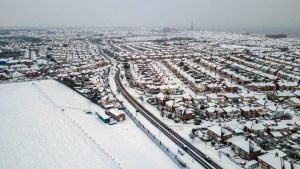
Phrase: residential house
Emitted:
{"points": [[232, 88], [286, 85], [184, 113], [247, 97], [294, 102], [214, 112], [108, 101], [17, 75], [244, 147], [274, 159], [215, 98], [232, 97], [232, 112], [261, 86], [115, 114], [218, 133], [250, 111], [255, 127]]}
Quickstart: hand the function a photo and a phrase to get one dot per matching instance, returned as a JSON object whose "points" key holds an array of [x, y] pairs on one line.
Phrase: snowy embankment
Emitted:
{"points": [[36, 134], [124, 141]]}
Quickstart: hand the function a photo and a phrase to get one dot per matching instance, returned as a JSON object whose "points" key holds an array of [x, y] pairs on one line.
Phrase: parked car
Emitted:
{"points": [[203, 128], [170, 116], [184, 147], [242, 121], [196, 122], [176, 120]]}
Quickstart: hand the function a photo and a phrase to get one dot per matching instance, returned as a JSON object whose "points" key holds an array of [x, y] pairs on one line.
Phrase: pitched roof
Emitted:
{"points": [[245, 144], [274, 158], [219, 130]]}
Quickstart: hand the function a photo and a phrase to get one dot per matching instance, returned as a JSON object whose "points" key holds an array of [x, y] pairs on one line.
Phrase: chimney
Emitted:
{"points": [[251, 146]]}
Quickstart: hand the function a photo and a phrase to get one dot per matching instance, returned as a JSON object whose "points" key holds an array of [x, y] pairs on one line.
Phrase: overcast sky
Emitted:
{"points": [[280, 15]]}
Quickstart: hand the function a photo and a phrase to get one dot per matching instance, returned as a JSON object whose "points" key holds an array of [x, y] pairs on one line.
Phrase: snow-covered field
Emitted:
{"points": [[36, 133]]}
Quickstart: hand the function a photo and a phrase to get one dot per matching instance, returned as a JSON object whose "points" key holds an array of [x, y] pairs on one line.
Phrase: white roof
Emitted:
{"points": [[230, 109], [287, 83], [295, 100], [200, 97], [278, 126], [247, 94], [254, 126], [115, 112], [231, 95], [219, 130], [285, 93], [276, 134], [248, 108], [274, 158], [102, 114], [297, 92], [160, 96], [169, 103], [246, 145], [263, 84]]}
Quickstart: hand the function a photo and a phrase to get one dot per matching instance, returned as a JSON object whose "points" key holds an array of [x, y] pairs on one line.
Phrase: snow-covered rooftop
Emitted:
{"points": [[219, 130], [245, 144], [274, 158]]}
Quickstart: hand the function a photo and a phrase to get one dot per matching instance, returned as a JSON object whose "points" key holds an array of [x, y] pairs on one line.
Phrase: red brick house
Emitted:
{"points": [[245, 148], [218, 133], [115, 114]]}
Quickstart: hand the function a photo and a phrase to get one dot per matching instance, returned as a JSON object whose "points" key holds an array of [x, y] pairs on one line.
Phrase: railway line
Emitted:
{"points": [[199, 156]]}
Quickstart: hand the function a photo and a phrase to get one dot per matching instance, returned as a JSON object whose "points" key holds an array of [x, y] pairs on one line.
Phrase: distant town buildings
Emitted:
{"points": [[276, 36]]}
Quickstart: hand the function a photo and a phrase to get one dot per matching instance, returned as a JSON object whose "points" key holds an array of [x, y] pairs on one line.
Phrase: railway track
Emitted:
{"points": [[199, 156]]}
